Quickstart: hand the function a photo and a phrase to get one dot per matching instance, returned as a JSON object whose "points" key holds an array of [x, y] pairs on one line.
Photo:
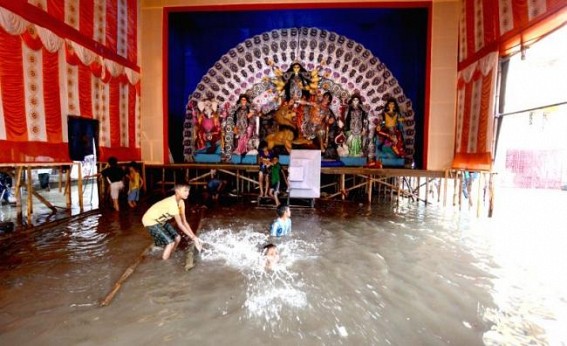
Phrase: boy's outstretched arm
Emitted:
{"points": [[184, 226]]}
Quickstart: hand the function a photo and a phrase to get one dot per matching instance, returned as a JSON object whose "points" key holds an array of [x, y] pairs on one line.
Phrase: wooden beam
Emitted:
{"points": [[44, 201]]}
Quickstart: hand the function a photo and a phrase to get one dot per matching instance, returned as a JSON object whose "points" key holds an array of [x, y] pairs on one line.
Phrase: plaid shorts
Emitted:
{"points": [[162, 234]]}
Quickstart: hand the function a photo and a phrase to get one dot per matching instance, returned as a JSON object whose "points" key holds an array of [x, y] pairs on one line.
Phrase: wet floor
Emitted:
{"points": [[350, 274]]}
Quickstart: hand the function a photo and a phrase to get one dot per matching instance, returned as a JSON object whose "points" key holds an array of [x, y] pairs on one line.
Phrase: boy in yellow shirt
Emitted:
{"points": [[156, 221], [135, 181]]}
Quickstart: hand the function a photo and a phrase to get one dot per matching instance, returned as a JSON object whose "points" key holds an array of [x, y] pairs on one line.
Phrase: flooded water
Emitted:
{"points": [[349, 274]]}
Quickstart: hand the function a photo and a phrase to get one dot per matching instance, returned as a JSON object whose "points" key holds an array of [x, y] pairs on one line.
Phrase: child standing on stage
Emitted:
{"points": [[264, 160], [276, 174]]}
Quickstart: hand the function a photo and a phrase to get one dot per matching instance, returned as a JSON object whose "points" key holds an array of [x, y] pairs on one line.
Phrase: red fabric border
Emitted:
{"points": [[85, 91], [12, 75], [111, 25], [27, 151], [113, 113], [476, 161], [131, 116], [56, 9], [52, 97], [132, 32], [86, 17], [122, 154]]}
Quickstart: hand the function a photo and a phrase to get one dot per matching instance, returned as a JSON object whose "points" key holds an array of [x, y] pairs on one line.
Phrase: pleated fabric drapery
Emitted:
{"points": [[489, 29], [46, 75]]}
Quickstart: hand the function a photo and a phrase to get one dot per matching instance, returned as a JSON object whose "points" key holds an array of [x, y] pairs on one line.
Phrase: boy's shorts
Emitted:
{"points": [[134, 195], [275, 187], [115, 189], [213, 185], [163, 234]]}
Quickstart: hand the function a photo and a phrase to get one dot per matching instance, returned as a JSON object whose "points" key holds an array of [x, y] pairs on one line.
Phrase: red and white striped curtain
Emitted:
{"points": [[487, 30], [475, 87], [68, 57]]}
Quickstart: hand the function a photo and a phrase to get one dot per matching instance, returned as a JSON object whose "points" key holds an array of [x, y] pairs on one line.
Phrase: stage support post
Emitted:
{"points": [[68, 188], [80, 186], [29, 188]]}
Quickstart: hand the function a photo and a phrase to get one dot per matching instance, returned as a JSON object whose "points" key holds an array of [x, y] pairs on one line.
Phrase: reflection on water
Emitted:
{"points": [[527, 241], [349, 274]]}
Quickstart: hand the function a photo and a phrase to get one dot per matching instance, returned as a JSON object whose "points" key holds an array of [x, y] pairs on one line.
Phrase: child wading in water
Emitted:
{"points": [[114, 175], [282, 225], [156, 221], [134, 183]]}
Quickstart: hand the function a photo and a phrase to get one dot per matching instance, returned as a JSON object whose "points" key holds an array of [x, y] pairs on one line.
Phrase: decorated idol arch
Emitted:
{"points": [[245, 99]]}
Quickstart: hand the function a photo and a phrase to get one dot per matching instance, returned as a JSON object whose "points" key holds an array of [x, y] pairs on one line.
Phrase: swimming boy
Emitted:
{"points": [[271, 256], [282, 225], [156, 221]]}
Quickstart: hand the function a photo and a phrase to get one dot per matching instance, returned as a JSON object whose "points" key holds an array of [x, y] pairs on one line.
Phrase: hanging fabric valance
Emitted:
{"points": [[37, 37]]}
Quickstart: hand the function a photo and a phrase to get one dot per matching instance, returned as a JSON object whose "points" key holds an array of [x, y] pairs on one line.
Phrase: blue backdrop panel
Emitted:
{"points": [[398, 37]]}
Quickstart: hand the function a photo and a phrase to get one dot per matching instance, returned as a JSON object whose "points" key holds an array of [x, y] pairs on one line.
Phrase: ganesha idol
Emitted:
{"points": [[208, 127]]}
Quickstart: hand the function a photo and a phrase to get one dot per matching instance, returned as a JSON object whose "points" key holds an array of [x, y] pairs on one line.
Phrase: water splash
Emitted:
{"points": [[270, 294]]}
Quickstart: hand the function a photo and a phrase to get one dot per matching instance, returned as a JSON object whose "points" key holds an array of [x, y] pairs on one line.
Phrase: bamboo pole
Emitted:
{"points": [[29, 197], [490, 195], [418, 189], [369, 186], [44, 201], [68, 187], [19, 212], [60, 178], [342, 186], [426, 189], [455, 188], [108, 299], [479, 194], [445, 185], [80, 186]]}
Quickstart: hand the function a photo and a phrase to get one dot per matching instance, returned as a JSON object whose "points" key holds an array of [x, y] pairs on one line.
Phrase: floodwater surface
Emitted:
{"points": [[349, 274]]}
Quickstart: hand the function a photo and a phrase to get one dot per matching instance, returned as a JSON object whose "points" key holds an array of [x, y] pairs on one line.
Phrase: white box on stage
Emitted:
{"points": [[305, 173]]}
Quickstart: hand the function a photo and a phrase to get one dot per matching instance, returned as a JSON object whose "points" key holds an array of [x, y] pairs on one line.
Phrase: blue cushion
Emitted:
{"points": [[249, 160], [207, 158], [332, 163], [354, 161]]}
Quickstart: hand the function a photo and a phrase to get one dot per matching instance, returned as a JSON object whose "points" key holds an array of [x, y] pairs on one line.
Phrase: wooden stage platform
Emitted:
{"points": [[393, 184], [340, 182]]}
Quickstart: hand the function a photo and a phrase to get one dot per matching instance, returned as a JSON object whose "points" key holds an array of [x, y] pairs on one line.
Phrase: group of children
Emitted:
{"points": [[270, 174], [156, 218], [115, 176]]}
